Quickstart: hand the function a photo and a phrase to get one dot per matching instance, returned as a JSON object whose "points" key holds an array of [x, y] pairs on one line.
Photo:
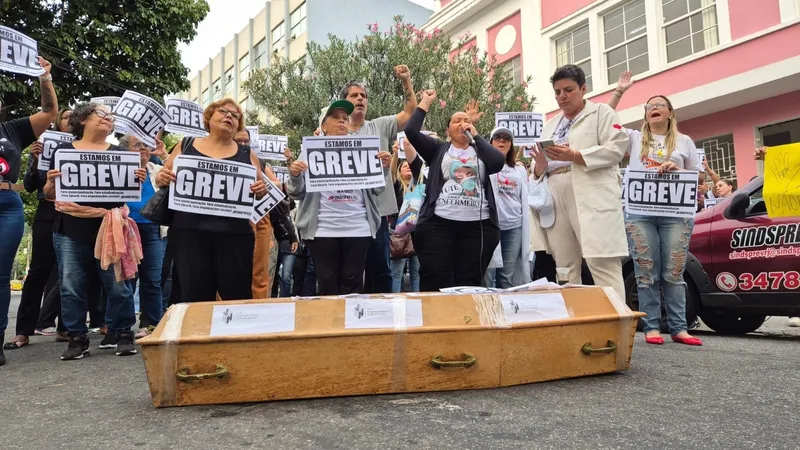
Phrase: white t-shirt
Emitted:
{"points": [[561, 137], [342, 214], [462, 196], [684, 155], [508, 196]]}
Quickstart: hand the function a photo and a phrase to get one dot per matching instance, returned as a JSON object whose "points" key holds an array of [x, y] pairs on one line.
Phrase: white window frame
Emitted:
{"points": [[665, 24], [227, 87], [257, 64], [508, 67], [582, 24], [279, 43], [303, 12], [216, 90], [206, 97], [626, 41], [244, 67]]}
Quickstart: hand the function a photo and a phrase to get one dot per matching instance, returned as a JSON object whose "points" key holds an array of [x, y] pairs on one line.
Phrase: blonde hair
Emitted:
{"points": [[212, 108], [672, 131]]}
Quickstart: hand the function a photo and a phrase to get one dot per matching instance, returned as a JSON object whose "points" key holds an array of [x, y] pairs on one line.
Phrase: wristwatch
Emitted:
{"points": [[49, 77]]}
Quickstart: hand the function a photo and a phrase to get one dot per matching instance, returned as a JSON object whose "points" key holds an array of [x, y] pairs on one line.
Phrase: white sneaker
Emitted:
{"points": [[794, 322]]}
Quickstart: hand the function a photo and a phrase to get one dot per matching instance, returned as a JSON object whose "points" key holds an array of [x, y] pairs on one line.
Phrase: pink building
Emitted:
{"points": [[730, 67]]}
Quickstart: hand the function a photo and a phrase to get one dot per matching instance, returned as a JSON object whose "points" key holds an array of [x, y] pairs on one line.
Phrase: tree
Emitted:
{"points": [[293, 92], [101, 47]]}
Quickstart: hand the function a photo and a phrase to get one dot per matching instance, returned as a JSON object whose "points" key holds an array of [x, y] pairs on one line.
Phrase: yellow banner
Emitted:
{"points": [[782, 181]]}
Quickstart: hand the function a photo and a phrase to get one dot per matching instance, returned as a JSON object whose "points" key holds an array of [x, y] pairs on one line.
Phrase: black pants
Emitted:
{"points": [[377, 273], [208, 263], [450, 252], [339, 263], [43, 266]]}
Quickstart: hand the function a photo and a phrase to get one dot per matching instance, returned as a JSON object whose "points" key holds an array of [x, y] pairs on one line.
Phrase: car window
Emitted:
{"points": [[757, 206]]}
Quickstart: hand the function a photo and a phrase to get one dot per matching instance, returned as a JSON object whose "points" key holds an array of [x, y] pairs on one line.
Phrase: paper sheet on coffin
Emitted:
{"points": [[421, 343]]}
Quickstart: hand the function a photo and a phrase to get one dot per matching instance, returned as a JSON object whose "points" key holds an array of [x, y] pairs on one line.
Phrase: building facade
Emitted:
{"points": [[285, 27], [730, 67]]}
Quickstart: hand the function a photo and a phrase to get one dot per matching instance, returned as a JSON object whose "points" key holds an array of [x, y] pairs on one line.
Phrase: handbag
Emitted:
{"points": [[157, 208], [409, 210], [400, 247]]}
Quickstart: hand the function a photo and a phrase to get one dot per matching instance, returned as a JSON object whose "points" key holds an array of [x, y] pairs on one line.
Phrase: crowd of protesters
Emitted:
{"points": [[486, 217]]}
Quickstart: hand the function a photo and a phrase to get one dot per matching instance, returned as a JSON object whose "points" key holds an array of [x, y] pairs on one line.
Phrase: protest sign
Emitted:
{"points": [[97, 176], [672, 194], [212, 187], [140, 116], [701, 153], [50, 141], [271, 147], [253, 131], [401, 145], [282, 173], [185, 118], [525, 126], [18, 53], [782, 181], [342, 163], [263, 206], [111, 102]]}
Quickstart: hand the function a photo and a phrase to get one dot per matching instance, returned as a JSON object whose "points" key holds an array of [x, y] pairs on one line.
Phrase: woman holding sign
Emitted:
{"points": [[15, 136], [214, 254], [337, 226], [76, 234], [457, 229], [659, 245]]}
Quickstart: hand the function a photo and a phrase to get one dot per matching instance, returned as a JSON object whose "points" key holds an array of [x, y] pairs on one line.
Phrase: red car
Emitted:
{"points": [[743, 266]]}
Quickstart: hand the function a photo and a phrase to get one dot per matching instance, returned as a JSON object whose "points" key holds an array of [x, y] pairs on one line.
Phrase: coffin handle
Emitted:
{"points": [[184, 375], [467, 361], [588, 350]]}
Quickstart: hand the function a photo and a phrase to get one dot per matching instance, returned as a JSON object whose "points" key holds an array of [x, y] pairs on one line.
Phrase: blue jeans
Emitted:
{"points": [[659, 247], [153, 249], [398, 268], [510, 247], [12, 225], [285, 264], [75, 263]]}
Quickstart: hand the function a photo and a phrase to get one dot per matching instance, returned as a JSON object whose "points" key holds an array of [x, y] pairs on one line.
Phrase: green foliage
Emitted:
{"points": [[293, 92], [101, 47]]}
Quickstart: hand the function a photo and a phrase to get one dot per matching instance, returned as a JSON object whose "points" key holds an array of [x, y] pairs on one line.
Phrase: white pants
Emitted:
{"points": [[565, 243]]}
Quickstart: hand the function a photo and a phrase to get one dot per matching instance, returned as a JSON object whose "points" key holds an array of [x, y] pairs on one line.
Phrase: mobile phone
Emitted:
{"points": [[543, 144]]}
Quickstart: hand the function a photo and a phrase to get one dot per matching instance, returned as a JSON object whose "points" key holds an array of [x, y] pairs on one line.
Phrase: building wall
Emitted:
{"points": [[555, 10], [348, 19], [748, 16]]}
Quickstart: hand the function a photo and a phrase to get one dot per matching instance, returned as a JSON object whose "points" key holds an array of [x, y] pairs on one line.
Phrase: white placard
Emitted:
{"points": [[709, 203], [365, 313], [253, 131], [111, 102], [50, 141], [185, 118], [342, 163], [701, 153], [469, 290], [271, 147], [401, 145], [97, 176], [18, 53], [525, 126], [262, 318], [262, 206], [520, 308], [282, 173], [672, 194], [212, 187], [140, 116]]}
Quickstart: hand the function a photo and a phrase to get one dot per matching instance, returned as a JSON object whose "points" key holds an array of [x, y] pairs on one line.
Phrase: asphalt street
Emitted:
{"points": [[732, 393]]}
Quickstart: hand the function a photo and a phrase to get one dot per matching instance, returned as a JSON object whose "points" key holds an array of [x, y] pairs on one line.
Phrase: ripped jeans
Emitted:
{"points": [[659, 247]]}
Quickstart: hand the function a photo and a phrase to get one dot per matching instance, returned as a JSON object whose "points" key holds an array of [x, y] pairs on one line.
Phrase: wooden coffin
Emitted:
{"points": [[261, 350]]}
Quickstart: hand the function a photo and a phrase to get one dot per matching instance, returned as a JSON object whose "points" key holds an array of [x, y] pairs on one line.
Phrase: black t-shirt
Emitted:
{"points": [[15, 136], [83, 231]]}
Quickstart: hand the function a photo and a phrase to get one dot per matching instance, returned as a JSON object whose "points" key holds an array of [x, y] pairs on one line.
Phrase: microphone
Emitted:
{"points": [[469, 136]]}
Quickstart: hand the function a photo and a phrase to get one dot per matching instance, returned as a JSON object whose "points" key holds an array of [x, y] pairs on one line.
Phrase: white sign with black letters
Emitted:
{"points": [[264, 205], [342, 163], [238, 320], [50, 141], [212, 187], [111, 102], [374, 313], [671, 194], [97, 176], [18, 53], [525, 126], [282, 173], [271, 147], [401, 145], [140, 116], [253, 132], [185, 118]]}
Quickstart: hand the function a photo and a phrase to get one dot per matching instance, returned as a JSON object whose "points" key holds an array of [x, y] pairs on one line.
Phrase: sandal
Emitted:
{"points": [[13, 345]]}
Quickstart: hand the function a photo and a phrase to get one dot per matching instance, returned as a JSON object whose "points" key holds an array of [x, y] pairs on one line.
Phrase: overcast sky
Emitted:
{"points": [[219, 26]]}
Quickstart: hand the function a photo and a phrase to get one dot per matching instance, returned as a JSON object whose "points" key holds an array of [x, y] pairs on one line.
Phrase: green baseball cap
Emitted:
{"points": [[338, 104]]}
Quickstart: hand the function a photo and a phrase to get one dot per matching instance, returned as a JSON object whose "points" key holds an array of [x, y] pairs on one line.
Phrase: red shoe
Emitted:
{"points": [[688, 341], [657, 340]]}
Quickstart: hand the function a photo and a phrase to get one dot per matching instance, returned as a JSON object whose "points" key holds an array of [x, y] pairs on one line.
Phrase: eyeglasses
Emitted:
{"points": [[651, 106], [225, 111], [242, 141], [137, 146], [502, 138], [104, 115]]}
